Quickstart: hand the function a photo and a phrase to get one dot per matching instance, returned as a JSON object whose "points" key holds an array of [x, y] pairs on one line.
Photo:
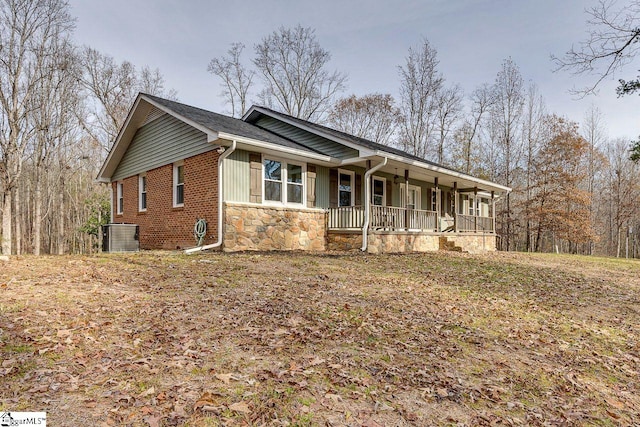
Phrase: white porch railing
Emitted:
{"points": [[346, 217], [471, 223], [392, 218], [401, 219]]}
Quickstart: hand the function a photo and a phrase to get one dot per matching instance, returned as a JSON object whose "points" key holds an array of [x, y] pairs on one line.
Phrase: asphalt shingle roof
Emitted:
{"points": [[356, 140], [221, 123]]}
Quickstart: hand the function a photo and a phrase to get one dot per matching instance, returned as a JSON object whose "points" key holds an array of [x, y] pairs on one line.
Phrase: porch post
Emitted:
{"points": [[436, 190], [406, 199], [475, 209], [455, 206], [493, 212]]}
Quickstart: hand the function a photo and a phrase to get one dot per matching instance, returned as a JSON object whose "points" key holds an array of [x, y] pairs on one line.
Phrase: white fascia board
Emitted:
{"points": [[363, 152], [126, 135], [278, 148], [211, 134], [116, 145], [444, 171]]}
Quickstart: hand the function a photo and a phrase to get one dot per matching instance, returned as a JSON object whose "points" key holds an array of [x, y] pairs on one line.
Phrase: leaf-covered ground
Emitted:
{"points": [[163, 339]]}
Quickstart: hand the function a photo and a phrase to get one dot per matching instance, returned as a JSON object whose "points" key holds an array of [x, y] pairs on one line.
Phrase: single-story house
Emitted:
{"points": [[270, 181]]}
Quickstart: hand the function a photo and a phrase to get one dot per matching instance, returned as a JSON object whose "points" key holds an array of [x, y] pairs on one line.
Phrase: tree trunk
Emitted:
{"points": [[18, 220], [37, 213], [61, 218], [6, 223]]}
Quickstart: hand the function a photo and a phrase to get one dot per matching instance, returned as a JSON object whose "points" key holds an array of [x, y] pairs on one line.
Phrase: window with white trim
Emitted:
{"points": [[142, 192], [295, 186], [378, 191], [178, 184], [283, 181], [346, 190], [119, 198]]}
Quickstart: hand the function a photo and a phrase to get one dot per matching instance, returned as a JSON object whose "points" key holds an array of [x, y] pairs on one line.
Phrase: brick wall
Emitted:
{"points": [[162, 226]]}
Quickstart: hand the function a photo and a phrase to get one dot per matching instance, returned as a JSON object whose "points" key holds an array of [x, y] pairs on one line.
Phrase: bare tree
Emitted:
{"points": [[28, 29], [53, 117], [373, 117], [467, 134], [420, 83], [447, 112], [623, 191], [112, 87], [151, 81], [506, 114], [236, 78], [594, 133], [534, 129], [293, 67], [612, 43]]}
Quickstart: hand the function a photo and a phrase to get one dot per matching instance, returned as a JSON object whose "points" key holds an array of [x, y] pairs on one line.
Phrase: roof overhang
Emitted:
{"points": [[268, 148], [446, 177], [136, 117], [419, 170], [255, 111]]}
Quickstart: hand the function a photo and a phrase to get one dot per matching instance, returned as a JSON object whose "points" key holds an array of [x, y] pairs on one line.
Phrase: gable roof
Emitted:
{"points": [[371, 148], [218, 127], [340, 136], [225, 124], [214, 125]]}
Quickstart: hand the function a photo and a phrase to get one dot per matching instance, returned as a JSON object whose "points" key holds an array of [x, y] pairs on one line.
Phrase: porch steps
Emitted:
{"points": [[448, 245]]}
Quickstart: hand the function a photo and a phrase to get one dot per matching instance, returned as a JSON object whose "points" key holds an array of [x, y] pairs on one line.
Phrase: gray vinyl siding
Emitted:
{"points": [[308, 139], [161, 142], [236, 179], [322, 187]]}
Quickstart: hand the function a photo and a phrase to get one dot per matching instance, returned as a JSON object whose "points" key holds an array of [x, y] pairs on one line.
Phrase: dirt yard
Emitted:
{"points": [[165, 339]]}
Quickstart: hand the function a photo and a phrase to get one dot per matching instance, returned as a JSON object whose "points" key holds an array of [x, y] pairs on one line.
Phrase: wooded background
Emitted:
{"points": [[574, 189]]}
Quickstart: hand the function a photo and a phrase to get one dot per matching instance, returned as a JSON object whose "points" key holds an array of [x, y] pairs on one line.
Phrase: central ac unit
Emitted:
{"points": [[120, 238]]}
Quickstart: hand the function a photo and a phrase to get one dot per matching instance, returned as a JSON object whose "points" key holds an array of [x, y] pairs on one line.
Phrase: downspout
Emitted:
{"points": [[367, 201], [111, 209], [225, 153]]}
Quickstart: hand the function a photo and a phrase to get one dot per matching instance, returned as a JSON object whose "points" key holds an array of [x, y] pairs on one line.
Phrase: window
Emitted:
{"points": [[279, 173], [120, 197], [378, 190], [178, 184], [294, 184], [469, 205], [345, 188], [142, 193], [272, 180]]}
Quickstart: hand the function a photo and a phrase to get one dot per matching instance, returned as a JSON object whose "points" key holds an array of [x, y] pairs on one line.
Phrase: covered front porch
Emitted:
{"points": [[407, 208]]}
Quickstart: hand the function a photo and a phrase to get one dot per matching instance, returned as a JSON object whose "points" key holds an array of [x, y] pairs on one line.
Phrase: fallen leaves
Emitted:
{"points": [[242, 407], [163, 340]]}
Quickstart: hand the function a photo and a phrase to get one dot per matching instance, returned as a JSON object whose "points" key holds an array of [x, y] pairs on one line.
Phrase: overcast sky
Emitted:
{"points": [[367, 39]]}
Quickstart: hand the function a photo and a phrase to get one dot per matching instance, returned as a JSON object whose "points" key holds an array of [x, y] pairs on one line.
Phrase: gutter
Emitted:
{"points": [[226, 153], [367, 201], [444, 171], [276, 147]]}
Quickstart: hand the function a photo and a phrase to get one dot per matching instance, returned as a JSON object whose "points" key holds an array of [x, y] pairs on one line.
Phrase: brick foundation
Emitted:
{"points": [[162, 226], [266, 228]]}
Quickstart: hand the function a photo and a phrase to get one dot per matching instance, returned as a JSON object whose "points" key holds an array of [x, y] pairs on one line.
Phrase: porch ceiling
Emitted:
{"points": [[429, 174]]}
